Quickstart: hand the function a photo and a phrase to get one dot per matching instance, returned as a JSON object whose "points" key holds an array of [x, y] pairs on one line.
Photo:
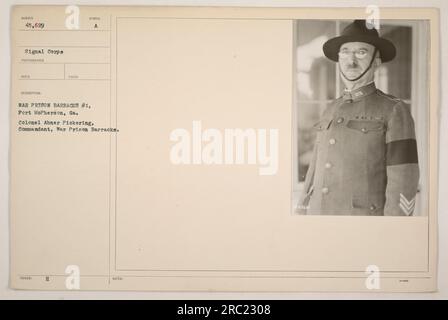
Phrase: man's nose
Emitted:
{"points": [[352, 59]]}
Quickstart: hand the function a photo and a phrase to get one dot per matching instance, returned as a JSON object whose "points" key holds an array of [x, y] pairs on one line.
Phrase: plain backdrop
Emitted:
{"points": [[6, 293]]}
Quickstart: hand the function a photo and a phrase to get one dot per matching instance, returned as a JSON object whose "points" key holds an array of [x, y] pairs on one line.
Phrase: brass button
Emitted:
{"points": [[340, 120], [328, 165], [325, 190], [372, 207], [332, 141], [364, 130]]}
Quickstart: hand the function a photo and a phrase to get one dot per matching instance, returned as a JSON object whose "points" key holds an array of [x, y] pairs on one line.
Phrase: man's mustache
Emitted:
{"points": [[352, 66]]}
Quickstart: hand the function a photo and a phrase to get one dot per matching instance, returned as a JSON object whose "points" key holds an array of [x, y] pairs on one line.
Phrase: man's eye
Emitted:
{"points": [[362, 52]]}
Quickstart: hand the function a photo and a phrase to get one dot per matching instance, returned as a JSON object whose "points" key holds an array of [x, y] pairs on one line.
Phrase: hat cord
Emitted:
{"points": [[365, 71]]}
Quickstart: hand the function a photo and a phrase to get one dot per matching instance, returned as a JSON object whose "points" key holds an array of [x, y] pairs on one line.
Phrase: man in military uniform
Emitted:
{"points": [[365, 156]]}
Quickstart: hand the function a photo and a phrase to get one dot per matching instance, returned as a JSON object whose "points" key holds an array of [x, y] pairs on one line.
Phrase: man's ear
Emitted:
{"points": [[377, 59]]}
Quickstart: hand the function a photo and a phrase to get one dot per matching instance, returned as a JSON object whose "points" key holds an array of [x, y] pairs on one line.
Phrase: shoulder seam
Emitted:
{"points": [[395, 99]]}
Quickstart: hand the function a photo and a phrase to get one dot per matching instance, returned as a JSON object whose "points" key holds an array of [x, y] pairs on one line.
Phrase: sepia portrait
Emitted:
{"points": [[361, 110]]}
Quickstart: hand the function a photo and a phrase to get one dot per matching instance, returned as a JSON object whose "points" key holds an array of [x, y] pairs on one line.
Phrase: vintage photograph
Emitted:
{"points": [[251, 149], [361, 118]]}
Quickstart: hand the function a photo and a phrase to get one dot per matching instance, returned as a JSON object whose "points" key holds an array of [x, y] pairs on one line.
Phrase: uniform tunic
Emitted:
{"points": [[365, 157]]}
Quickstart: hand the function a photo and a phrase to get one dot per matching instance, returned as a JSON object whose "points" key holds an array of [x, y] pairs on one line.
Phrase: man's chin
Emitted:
{"points": [[353, 73]]}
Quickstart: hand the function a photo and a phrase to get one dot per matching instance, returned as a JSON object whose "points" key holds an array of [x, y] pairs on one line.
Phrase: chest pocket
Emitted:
{"points": [[366, 126]]}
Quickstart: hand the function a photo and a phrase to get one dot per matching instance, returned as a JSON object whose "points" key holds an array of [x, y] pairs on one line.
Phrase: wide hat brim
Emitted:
{"points": [[385, 47]]}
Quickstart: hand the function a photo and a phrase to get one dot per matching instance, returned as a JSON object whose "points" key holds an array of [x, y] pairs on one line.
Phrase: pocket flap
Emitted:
{"points": [[362, 205], [365, 125], [323, 124]]}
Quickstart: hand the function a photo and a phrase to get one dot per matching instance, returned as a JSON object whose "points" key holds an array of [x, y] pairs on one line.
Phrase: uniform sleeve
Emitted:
{"points": [[308, 185], [402, 163]]}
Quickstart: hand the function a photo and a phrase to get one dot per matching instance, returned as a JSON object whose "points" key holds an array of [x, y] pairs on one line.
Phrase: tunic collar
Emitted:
{"points": [[359, 93]]}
